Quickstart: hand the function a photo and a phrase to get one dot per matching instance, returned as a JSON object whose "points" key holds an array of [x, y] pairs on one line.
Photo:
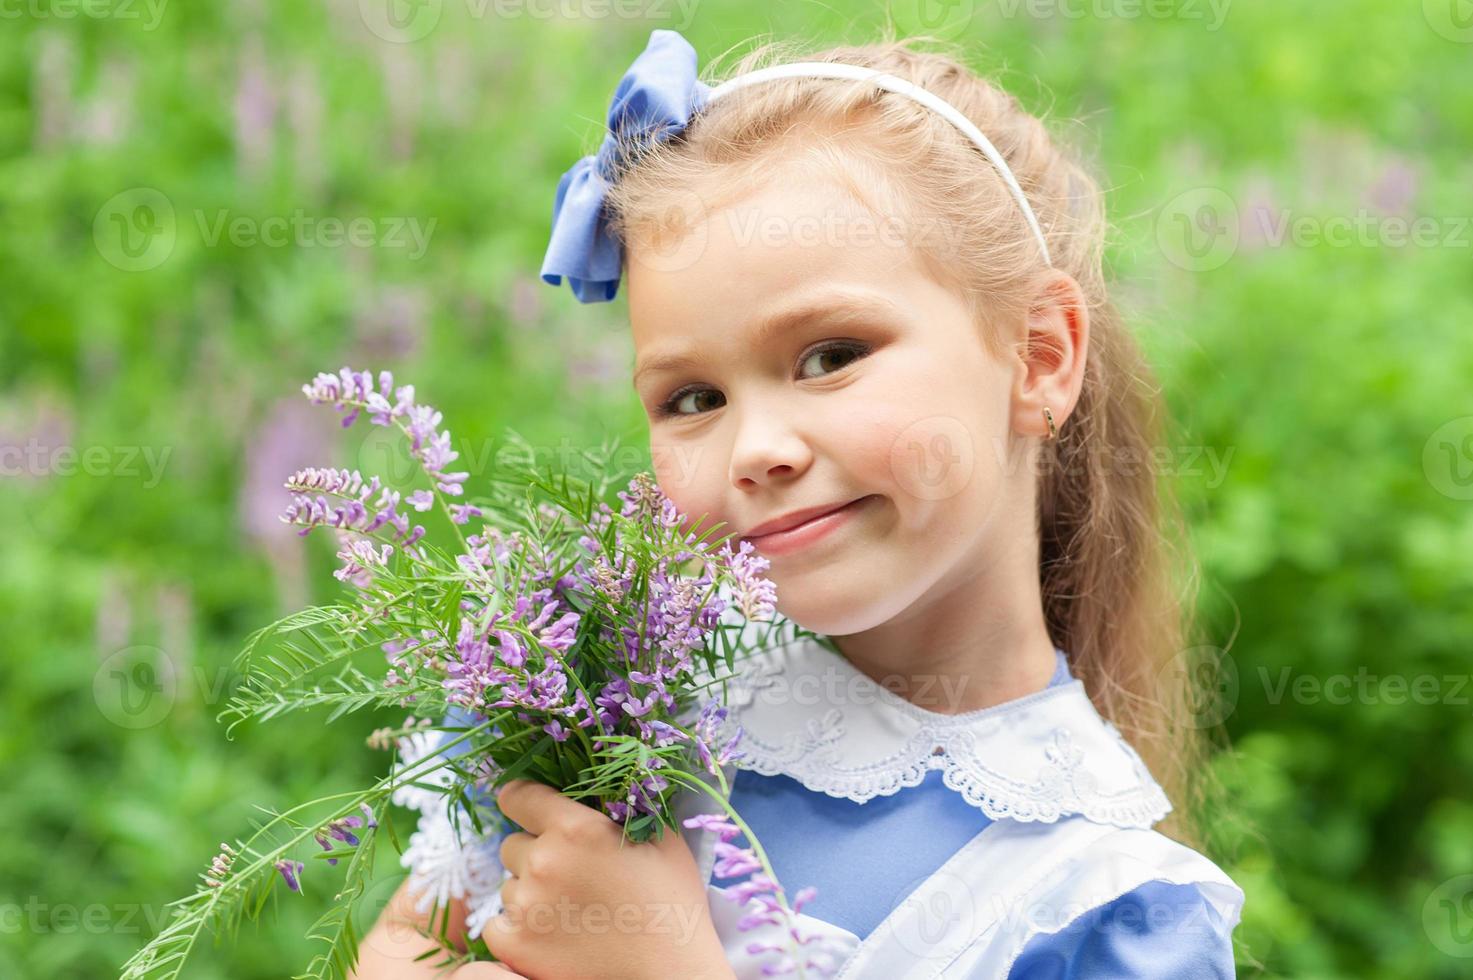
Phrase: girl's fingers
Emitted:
{"points": [[513, 851], [399, 924], [530, 805], [509, 891], [485, 971]]}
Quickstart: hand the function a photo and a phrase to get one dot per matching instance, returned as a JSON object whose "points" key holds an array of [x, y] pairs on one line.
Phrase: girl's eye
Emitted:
{"points": [[854, 350], [822, 355], [672, 407]]}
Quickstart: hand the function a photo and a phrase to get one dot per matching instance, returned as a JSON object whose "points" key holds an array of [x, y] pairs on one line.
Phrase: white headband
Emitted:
{"points": [[891, 83]]}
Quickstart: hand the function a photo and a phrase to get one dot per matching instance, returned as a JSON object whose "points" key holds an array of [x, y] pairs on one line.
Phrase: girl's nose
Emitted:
{"points": [[768, 449]]}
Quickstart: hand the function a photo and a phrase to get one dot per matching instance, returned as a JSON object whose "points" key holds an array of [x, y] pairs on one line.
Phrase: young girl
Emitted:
{"points": [[873, 337]]}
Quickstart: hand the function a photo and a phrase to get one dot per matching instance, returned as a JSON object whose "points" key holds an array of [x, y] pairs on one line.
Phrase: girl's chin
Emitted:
{"points": [[823, 602]]}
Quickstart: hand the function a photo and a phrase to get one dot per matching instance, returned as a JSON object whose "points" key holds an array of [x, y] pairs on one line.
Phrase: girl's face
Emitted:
{"points": [[793, 353]]}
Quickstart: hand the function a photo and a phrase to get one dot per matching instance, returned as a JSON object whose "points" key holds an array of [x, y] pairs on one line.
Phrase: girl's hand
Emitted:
{"points": [[586, 903], [388, 951]]}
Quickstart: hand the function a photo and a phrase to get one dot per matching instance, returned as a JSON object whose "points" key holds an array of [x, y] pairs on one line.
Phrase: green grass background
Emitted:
{"points": [[1332, 376]]}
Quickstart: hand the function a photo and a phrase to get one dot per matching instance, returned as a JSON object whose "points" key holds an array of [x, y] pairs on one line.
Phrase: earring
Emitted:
{"points": [[1053, 433]]}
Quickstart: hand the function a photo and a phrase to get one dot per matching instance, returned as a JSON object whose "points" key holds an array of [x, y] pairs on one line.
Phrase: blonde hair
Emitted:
{"points": [[1105, 565]]}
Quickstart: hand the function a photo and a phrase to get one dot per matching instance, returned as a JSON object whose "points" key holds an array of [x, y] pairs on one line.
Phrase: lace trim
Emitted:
{"points": [[1038, 758]]}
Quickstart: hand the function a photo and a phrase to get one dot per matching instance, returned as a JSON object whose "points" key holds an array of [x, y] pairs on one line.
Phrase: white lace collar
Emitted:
{"points": [[807, 712]]}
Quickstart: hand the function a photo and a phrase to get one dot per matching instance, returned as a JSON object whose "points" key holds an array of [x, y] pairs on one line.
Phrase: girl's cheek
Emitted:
{"points": [[682, 477], [909, 450], [933, 458], [676, 468]]}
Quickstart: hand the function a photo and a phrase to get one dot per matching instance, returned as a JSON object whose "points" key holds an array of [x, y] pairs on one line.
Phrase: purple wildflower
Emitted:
{"points": [[707, 729], [661, 733], [359, 559], [339, 829], [733, 861], [289, 870], [462, 513], [326, 846], [714, 823], [611, 583], [352, 510], [644, 500], [756, 595], [354, 391], [759, 896]]}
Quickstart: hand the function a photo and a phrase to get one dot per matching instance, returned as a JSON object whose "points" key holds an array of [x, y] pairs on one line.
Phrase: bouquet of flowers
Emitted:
{"points": [[557, 639]]}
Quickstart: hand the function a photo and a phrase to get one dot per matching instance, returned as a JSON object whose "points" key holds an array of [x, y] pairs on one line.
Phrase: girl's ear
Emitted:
{"points": [[1051, 354]]}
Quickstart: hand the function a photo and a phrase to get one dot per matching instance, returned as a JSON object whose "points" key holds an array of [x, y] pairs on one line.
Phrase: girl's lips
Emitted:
{"points": [[810, 531]]}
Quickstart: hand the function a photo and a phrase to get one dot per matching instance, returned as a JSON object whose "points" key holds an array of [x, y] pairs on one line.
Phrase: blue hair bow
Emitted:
{"points": [[655, 100]]}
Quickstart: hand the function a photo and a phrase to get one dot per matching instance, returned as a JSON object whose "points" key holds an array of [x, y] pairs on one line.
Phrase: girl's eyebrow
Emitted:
{"points": [[835, 309]]}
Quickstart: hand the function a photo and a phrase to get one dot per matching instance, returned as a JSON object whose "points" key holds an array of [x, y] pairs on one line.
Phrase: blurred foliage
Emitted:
{"points": [[1329, 381]]}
